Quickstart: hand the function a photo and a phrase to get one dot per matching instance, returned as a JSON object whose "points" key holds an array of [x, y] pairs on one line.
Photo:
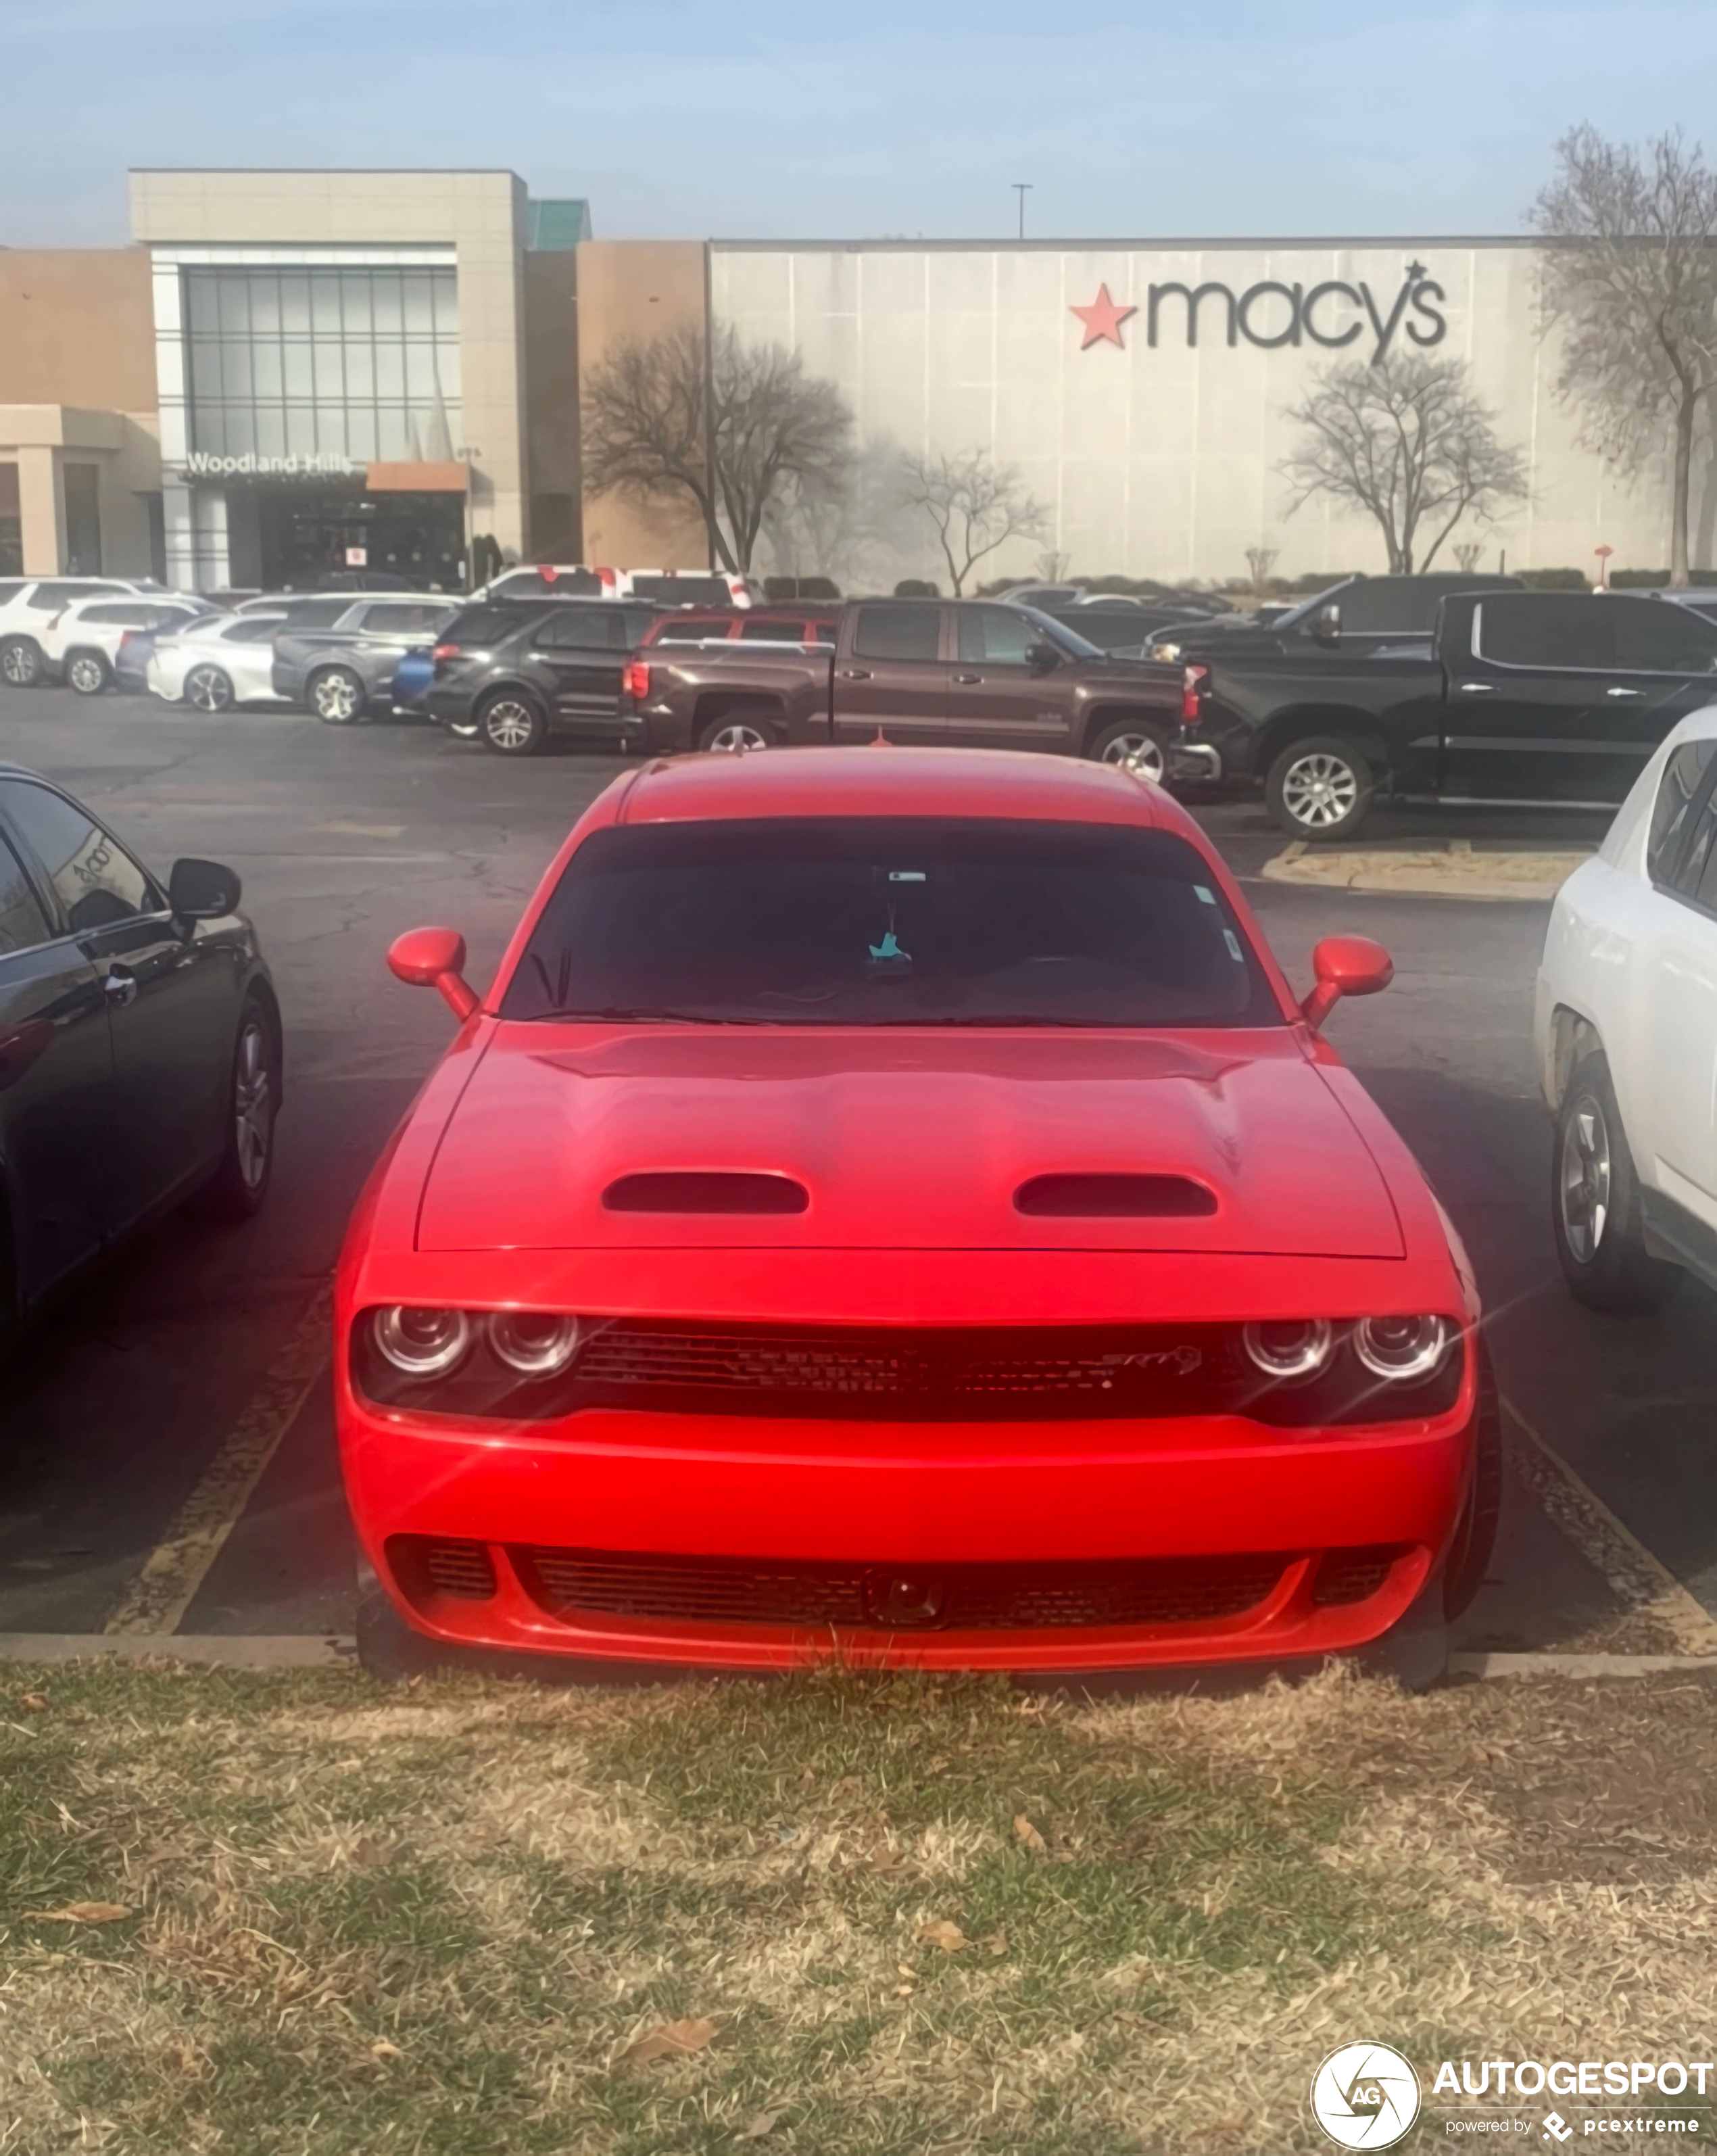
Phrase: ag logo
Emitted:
{"points": [[1365, 2096]]}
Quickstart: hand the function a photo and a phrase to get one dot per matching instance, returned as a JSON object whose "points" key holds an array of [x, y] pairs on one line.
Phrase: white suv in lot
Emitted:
{"points": [[1626, 1022], [80, 644], [27, 604]]}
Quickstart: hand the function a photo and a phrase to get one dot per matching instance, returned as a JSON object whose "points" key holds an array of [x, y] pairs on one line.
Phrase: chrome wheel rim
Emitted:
{"points": [[253, 1104], [17, 663], [1139, 752], [1319, 789], [208, 688], [85, 676], [737, 739], [336, 699], [1584, 1183], [509, 724]]}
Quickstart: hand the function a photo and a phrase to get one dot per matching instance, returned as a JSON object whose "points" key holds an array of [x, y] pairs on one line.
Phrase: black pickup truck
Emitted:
{"points": [[1536, 699], [952, 672], [1353, 616]]}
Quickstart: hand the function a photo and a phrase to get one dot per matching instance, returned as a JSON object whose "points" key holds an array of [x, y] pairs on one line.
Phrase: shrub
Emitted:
{"points": [[916, 587], [1638, 580], [1554, 580]]}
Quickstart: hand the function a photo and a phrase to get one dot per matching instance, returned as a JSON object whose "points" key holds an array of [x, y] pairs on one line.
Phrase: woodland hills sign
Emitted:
{"points": [[1270, 315]]}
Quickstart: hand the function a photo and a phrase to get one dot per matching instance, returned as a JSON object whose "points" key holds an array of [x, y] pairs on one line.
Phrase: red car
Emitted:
{"points": [[889, 1204]]}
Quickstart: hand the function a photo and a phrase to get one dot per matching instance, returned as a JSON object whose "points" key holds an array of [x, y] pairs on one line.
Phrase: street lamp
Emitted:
{"points": [[1022, 188]]}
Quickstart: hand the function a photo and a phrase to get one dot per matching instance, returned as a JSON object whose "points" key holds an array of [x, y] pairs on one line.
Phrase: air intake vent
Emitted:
{"points": [[429, 1565], [1114, 1198], [700, 1193]]}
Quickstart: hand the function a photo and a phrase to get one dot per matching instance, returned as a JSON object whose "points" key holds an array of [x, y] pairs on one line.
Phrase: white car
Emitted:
{"points": [[577, 580], [80, 644], [26, 602], [1626, 1025], [220, 660]]}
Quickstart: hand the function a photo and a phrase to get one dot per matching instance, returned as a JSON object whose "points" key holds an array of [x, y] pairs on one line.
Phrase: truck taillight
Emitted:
{"points": [[1192, 681], [443, 651], [606, 578], [635, 679]]}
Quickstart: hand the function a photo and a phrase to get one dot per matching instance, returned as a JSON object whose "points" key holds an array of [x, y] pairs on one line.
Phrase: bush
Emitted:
{"points": [[1638, 580], [1554, 580], [800, 587], [1319, 580], [916, 587]]}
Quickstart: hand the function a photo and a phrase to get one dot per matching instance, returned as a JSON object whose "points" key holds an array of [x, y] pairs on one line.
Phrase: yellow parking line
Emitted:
{"points": [[1642, 1582], [174, 1570]]}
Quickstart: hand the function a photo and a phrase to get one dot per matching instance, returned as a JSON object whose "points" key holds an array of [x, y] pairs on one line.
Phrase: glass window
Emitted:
{"points": [[96, 880], [22, 923], [113, 617], [682, 591], [1662, 640], [9, 592], [877, 921], [397, 620], [254, 629], [531, 583], [50, 598], [1549, 629], [897, 632], [996, 636], [1679, 795], [827, 632], [581, 628], [476, 626], [754, 631]]}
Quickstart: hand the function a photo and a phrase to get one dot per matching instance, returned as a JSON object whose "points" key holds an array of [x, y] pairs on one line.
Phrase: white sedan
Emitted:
{"points": [[220, 661], [1625, 1023]]}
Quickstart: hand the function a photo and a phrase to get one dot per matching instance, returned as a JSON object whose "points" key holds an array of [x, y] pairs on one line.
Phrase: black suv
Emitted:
{"points": [[513, 674]]}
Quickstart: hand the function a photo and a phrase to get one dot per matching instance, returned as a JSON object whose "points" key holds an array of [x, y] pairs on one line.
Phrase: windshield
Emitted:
{"points": [[1065, 639], [873, 921]]}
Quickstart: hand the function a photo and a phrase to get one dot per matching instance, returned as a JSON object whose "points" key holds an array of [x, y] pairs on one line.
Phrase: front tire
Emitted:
{"points": [[240, 1183], [1137, 745], [1596, 1212], [1475, 1536], [20, 662], [1321, 788], [738, 733], [208, 688], [336, 696], [513, 724], [88, 673]]}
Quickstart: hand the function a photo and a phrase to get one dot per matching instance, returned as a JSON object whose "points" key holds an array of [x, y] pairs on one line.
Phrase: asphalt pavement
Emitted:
{"points": [[171, 1423]]}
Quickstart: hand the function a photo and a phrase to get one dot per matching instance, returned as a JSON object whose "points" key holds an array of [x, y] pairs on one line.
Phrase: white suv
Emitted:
{"points": [[577, 580], [26, 602], [1626, 1022], [79, 644]]}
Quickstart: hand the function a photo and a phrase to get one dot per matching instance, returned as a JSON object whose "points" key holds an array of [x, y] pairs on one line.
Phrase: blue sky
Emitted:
{"points": [[762, 119]]}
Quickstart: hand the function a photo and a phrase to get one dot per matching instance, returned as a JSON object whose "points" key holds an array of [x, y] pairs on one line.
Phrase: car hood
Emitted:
{"points": [[916, 1141]]}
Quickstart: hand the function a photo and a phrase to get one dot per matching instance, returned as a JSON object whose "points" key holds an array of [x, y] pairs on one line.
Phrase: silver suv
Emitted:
{"points": [[339, 671]]}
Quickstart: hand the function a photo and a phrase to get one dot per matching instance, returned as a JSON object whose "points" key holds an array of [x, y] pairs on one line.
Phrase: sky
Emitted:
{"points": [[777, 119]]}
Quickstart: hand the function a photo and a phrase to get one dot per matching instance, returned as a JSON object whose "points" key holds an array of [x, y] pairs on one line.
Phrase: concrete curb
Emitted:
{"points": [[1575, 1666], [1456, 872]]}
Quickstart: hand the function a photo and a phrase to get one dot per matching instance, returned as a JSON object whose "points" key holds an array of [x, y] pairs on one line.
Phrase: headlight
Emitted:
{"points": [[422, 1343], [535, 1343], [1401, 1346], [1296, 1347]]}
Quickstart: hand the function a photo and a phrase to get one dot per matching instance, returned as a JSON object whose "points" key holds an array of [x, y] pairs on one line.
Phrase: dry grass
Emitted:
{"points": [[433, 1921]]}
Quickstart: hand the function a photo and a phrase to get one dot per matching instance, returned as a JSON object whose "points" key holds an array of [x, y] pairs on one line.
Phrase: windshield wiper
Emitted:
{"points": [[642, 1015]]}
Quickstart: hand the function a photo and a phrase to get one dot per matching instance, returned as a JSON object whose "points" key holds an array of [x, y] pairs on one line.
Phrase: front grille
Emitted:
{"points": [[437, 1564], [1353, 1575], [571, 1583]]}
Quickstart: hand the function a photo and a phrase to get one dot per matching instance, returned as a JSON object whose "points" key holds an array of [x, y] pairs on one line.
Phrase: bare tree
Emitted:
{"points": [[1261, 560], [1405, 440], [1052, 565], [1630, 275], [1468, 554], [725, 426], [975, 503]]}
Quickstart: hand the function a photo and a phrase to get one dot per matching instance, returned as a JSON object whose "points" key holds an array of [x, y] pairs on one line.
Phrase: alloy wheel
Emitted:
{"points": [[336, 698], [253, 1104], [19, 664], [87, 674], [1139, 752], [208, 688], [1583, 1185], [510, 724], [737, 739], [1319, 789]]}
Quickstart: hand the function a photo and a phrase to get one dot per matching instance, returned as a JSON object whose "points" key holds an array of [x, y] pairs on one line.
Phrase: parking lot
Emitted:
{"points": [[168, 1462]]}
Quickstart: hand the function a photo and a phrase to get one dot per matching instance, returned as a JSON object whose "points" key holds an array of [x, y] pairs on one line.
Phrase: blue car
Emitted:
{"points": [[411, 680]]}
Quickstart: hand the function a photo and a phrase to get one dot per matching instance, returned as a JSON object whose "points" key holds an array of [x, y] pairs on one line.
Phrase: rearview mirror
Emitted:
{"points": [[1326, 624], [435, 959], [1041, 657], [1345, 966], [202, 891]]}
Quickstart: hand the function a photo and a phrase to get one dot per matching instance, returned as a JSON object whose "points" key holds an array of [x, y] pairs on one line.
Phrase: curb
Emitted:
{"points": [[1575, 1666], [1426, 872]]}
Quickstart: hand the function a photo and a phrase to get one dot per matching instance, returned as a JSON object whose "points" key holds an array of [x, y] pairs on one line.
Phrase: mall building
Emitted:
{"points": [[291, 372]]}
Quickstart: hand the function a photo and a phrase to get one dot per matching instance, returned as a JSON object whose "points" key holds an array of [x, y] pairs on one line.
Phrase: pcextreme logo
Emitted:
{"points": [[1333, 313]]}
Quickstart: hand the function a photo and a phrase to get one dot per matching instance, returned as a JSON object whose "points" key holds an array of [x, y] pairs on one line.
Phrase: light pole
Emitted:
{"points": [[1022, 188]]}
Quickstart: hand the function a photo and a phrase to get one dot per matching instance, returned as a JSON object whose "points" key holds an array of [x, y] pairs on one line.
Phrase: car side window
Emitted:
{"points": [[397, 620], [767, 632], [909, 631], [577, 629], [996, 636], [22, 923], [1662, 640], [94, 877], [1681, 794], [254, 629], [1549, 629], [9, 592]]}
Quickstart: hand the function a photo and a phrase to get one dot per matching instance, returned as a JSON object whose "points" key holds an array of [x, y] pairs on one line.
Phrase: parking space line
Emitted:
{"points": [[1642, 1583], [164, 1589]]}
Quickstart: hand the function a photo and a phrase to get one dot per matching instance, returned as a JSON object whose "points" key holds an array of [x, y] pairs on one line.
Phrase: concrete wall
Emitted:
{"points": [[636, 289], [39, 441], [1165, 462]]}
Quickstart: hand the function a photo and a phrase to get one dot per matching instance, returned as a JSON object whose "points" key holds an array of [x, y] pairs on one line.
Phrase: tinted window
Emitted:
{"points": [[683, 591], [897, 632], [693, 628], [1678, 793], [172, 617], [22, 923], [531, 584], [399, 619], [478, 627], [9, 592], [49, 598], [842, 921], [1386, 605], [581, 628], [1662, 640], [1549, 629], [827, 632], [753, 631], [121, 617], [254, 629], [97, 882], [995, 634]]}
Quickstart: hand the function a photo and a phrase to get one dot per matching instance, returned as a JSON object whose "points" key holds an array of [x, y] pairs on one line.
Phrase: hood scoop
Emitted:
{"points": [[1114, 1198], [696, 1192]]}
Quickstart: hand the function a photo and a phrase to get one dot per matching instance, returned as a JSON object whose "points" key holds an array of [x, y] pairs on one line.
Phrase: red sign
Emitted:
{"points": [[1103, 320]]}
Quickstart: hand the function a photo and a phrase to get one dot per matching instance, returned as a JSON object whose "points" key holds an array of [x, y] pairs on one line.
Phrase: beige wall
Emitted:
{"points": [[76, 327], [39, 441], [637, 289]]}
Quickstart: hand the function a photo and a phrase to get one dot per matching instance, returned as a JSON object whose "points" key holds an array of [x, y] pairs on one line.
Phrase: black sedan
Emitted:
{"points": [[140, 1043]]}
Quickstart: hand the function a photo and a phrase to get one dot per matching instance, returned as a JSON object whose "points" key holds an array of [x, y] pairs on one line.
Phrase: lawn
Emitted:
{"points": [[300, 1914]]}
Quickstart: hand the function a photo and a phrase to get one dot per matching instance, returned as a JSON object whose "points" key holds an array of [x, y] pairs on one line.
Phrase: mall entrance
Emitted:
{"points": [[303, 534]]}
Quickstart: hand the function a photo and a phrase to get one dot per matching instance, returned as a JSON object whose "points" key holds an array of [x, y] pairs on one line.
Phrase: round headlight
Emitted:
{"points": [[1401, 1346], [422, 1343], [1291, 1347], [536, 1343]]}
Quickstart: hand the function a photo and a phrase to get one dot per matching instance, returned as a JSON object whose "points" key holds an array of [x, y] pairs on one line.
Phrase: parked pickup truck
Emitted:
{"points": [[1351, 617], [1536, 699], [966, 673]]}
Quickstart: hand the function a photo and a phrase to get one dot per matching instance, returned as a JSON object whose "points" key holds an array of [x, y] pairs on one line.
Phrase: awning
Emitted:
{"points": [[417, 479]]}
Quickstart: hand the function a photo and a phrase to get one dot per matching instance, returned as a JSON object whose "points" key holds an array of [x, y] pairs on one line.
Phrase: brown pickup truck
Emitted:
{"points": [[952, 672]]}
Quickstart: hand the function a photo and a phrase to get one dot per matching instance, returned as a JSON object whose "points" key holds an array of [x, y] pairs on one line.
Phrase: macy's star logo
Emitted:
{"points": [[1103, 321]]}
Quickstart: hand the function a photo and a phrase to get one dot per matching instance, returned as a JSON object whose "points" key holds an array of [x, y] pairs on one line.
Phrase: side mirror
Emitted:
{"points": [[1042, 657], [1326, 624], [435, 959], [1345, 966], [202, 891]]}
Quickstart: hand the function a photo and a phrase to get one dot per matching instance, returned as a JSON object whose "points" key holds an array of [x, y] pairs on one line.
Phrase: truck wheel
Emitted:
{"points": [[1475, 1536], [512, 724], [738, 734], [1595, 1203], [1135, 744], [1321, 787]]}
